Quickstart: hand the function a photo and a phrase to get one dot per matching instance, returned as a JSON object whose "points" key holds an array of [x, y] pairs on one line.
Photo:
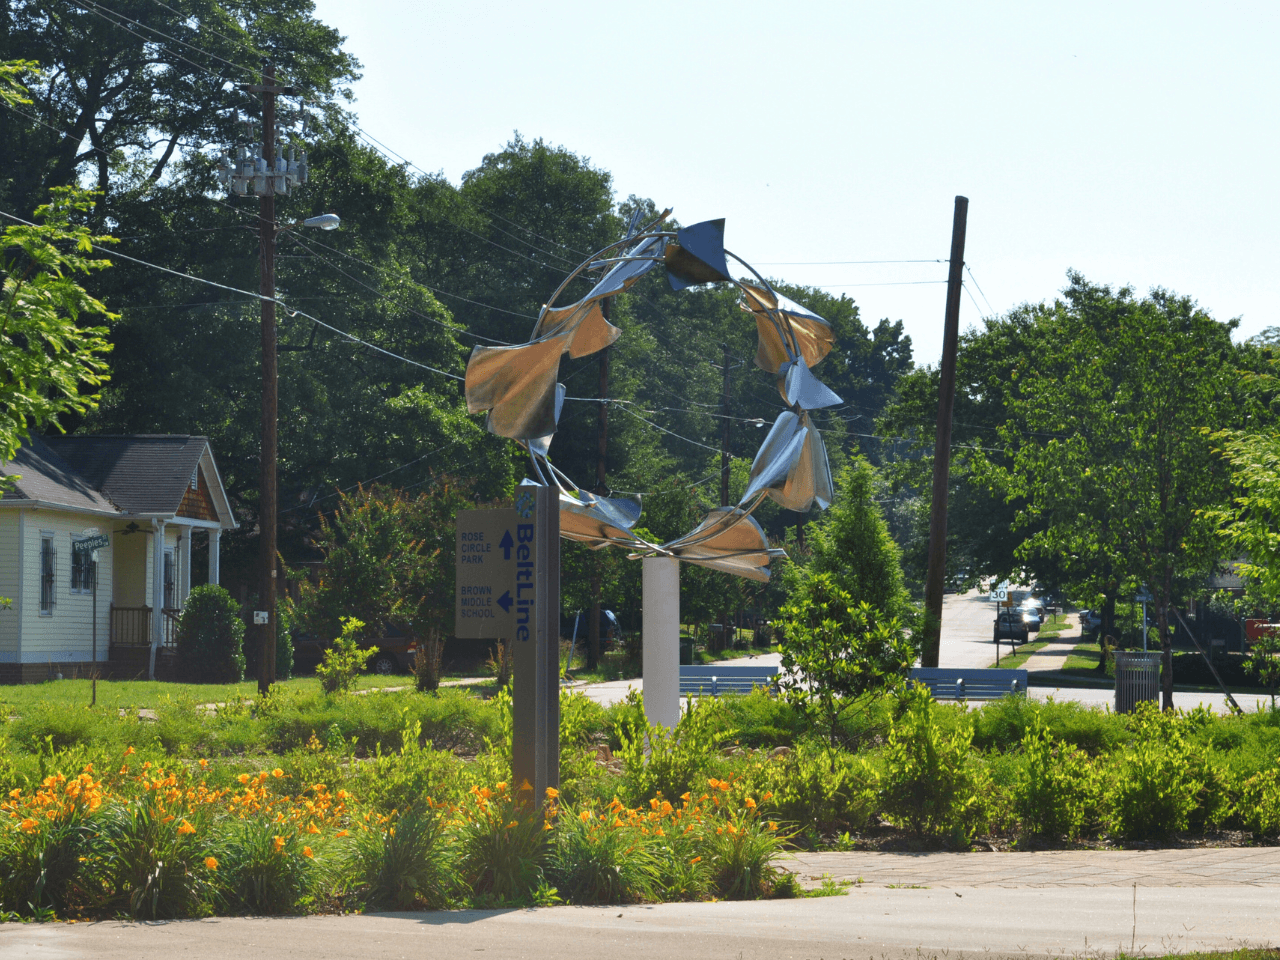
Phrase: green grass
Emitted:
{"points": [[703, 656], [149, 694], [1017, 660], [1084, 656], [1054, 626]]}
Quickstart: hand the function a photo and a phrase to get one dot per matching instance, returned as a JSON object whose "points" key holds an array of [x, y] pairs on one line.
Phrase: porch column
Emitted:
{"points": [[184, 566], [157, 592], [214, 536]]}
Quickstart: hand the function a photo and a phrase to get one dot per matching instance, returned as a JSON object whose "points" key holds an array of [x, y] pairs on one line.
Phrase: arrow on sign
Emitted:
{"points": [[505, 600], [506, 543]]}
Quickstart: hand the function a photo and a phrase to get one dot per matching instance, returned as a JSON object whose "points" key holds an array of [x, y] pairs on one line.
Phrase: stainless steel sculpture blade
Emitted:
{"points": [[813, 336], [697, 255], [729, 539], [799, 387], [517, 386], [792, 466], [542, 445], [590, 332], [599, 521]]}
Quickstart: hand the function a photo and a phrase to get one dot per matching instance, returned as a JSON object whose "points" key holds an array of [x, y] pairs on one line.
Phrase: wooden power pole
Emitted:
{"points": [[936, 577], [602, 451]]}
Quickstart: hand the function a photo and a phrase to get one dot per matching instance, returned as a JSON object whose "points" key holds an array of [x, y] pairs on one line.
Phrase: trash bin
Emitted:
{"points": [[1137, 679]]}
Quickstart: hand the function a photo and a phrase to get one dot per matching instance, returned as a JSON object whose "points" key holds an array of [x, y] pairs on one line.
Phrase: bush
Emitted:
{"points": [[1056, 787], [1152, 787], [1259, 804], [742, 845], [344, 659], [930, 783], [837, 655], [821, 791], [210, 637], [667, 763]]}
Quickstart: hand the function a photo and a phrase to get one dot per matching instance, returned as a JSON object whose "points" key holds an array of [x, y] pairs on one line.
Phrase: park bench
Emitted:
{"points": [[949, 683], [718, 678]]}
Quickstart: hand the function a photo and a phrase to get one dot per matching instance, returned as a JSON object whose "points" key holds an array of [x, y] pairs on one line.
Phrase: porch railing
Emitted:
{"points": [[131, 626]]}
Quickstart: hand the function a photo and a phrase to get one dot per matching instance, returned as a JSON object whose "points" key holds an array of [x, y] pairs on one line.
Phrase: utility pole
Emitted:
{"points": [[269, 177], [936, 576], [724, 432], [725, 423], [602, 451]]}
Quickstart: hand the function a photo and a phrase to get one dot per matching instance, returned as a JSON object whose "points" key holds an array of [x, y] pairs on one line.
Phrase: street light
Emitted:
{"points": [[326, 221]]}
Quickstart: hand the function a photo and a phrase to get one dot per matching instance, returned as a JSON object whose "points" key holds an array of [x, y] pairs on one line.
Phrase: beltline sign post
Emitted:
{"points": [[508, 587]]}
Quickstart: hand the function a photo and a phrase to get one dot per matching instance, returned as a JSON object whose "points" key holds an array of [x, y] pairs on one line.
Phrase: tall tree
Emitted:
{"points": [[1117, 463]]}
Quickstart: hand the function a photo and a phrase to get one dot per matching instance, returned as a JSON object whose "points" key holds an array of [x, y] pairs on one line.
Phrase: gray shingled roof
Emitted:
{"points": [[45, 476], [140, 473]]}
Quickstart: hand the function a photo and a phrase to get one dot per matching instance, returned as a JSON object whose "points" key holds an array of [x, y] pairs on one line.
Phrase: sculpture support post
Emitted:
{"points": [[660, 580]]}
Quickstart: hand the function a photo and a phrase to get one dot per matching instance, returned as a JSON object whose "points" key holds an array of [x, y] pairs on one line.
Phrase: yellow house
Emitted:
{"points": [[151, 496]]}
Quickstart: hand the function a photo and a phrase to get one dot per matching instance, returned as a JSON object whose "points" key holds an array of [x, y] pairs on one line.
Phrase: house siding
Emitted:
{"points": [[65, 635]]}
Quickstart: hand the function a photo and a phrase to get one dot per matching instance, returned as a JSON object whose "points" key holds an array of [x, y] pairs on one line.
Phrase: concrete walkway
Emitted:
{"points": [[1204, 867], [910, 906]]}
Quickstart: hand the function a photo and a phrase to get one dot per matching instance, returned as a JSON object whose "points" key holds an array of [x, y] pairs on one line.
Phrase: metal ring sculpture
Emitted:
{"points": [[517, 386]]}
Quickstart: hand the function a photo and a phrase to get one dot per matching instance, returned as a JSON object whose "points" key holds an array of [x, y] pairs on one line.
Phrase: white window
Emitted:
{"points": [[48, 567]]}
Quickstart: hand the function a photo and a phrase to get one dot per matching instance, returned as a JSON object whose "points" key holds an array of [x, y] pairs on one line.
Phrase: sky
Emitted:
{"points": [[1135, 142]]}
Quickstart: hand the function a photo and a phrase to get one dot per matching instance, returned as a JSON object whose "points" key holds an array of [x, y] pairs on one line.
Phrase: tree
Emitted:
{"points": [[388, 561], [837, 652], [1250, 526], [46, 357], [851, 545], [1116, 465]]}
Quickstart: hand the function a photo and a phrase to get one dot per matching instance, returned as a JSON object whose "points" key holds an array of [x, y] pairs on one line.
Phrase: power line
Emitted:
{"points": [[832, 263], [258, 297], [984, 296]]}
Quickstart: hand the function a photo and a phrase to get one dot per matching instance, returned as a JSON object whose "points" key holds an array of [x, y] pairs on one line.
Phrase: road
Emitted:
{"points": [[908, 906]]}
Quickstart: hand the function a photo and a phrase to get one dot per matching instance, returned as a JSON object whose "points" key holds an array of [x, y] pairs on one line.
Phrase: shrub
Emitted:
{"points": [[1002, 724], [210, 637], [344, 659], [837, 654], [1152, 787], [1259, 804], [819, 790], [930, 782], [403, 862], [1055, 788], [668, 763]]}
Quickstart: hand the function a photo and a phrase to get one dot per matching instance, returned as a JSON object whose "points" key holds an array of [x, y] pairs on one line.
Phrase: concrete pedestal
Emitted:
{"points": [[660, 579]]}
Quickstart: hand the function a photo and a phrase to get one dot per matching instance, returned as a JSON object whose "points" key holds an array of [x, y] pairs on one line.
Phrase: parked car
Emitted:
{"points": [[1010, 625], [1033, 613], [393, 651], [1090, 620]]}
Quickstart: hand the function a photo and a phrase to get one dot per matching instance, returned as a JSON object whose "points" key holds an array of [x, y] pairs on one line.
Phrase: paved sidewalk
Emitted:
{"points": [[908, 907], [1200, 867]]}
